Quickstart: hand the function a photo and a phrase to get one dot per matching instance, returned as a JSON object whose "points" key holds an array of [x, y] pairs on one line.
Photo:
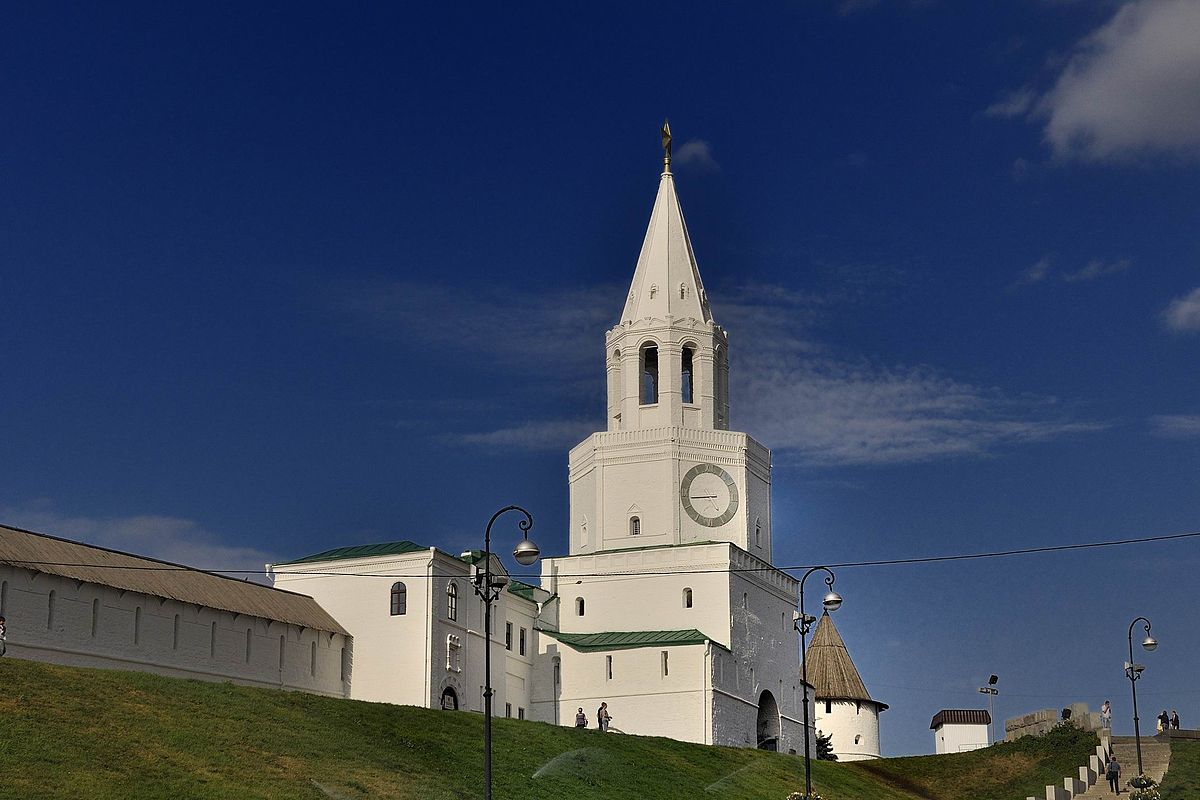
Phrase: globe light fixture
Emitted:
{"points": [[1150, 643], [526, 552], [832, 601]]}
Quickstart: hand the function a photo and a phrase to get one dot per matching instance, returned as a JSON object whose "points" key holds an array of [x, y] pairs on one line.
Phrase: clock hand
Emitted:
{"points": [[704, 497]]}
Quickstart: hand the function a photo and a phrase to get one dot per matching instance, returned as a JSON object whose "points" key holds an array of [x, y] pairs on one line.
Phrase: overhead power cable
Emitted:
{"points": [[632, 573]]}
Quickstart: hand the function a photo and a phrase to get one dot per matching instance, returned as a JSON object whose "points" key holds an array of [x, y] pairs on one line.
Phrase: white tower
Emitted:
{"points": [[668, 470], [845, 709], [667, 606]]}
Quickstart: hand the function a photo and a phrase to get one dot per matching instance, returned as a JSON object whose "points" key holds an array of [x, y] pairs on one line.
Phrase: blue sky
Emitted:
{"points": [[283, 278]]}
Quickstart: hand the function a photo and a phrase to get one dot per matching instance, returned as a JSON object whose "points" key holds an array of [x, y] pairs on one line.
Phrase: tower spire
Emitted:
{"points": [[666, 144]]}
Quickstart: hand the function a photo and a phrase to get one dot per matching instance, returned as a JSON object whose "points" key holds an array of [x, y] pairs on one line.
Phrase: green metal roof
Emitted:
{"points": [[524, 590], [360, 551], [628, 640]]}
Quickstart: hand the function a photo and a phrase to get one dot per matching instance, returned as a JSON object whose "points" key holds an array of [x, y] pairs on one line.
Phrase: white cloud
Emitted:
{"points": [[1014, 104], [695, 152], [534, 435], [1183, 313], [1176, 426], [175, 539], [791, 389], [1036, 273], [1096, 269], [1132, 87]]}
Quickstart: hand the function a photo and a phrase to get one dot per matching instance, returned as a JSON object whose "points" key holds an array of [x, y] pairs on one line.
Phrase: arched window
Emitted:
{"points": [[453, 653], [857, 739], [452, 601], [683, 291], [649, 374], [579, 606], [449, 700], [687, 598], [686, 375], [399, 599], [635, 526]]}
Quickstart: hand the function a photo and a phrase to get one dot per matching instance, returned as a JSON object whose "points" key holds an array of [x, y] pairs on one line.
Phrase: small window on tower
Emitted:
{"points": [[635, 526], [649, 374], [828, 706], [653, 290], [579, 606], [687, 598], [857, 739], [683, 291], [686, 380]]}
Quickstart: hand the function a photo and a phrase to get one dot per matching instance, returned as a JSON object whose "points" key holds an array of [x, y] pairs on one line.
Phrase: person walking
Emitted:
{"points": [[1113, 773], [1106, 715], [1174, 720], [603, 717], [580, 718]]}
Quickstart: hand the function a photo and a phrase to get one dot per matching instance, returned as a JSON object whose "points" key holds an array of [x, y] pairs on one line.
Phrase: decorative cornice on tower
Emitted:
{"points": [[667, 281], [831, 671]]}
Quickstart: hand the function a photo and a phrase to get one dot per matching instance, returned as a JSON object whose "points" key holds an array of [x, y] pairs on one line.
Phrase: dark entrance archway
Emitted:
{"points": [[449, 700], [768, 722]]}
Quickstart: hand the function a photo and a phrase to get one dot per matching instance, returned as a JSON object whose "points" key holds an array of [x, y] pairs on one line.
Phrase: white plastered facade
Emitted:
{"points": [[957, 738], [854, 726]]}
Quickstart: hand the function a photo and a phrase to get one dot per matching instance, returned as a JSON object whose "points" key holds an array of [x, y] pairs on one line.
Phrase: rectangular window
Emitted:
{"points": [[508, 709], [522, 650], [520, 713], [664, 663], [608, 667], [828, 706], [508, 635]]}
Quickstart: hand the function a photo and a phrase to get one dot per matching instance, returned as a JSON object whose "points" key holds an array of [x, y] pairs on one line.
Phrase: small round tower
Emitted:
{"points": [[844, 707]]}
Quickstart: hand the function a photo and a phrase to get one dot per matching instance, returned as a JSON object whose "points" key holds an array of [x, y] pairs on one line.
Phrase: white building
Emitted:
{"points": [[419, 638], [845, 709], [959, 730], [84, 606], [666, 607]]}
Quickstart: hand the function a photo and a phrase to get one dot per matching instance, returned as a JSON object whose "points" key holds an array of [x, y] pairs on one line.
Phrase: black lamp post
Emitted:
{"points": [[1133, 672], [803, 623], [488, 587]]}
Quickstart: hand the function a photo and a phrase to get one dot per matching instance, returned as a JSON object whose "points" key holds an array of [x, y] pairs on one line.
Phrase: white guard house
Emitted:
{"points": [[845, 709], [957, 730], [667, 607]]}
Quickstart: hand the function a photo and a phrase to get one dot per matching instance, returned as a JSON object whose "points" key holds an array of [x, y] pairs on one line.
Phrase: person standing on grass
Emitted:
{"points": [[1113, 773], [1106, 715], [580, 718], [603, 717]]}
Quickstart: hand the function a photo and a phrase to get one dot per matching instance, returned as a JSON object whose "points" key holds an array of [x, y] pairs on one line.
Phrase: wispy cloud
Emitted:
{"points": [[697, 153], [534, 435], [1182, 314], [176, 539], [1014, 104], [1043, 270], [1096, 269], [563, 326], [1130, 88], [1176, 426], [792, 389]]}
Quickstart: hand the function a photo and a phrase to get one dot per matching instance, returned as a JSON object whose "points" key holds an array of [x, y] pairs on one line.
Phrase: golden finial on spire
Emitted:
{"points": [[666, 144]]}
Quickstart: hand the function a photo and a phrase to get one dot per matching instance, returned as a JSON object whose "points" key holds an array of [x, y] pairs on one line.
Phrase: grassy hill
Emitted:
{"points": [[1182, 781], [70, 733]]}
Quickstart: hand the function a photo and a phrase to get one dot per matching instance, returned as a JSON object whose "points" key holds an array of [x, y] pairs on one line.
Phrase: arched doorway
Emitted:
{"points": [[768, 722], [449, 700]]}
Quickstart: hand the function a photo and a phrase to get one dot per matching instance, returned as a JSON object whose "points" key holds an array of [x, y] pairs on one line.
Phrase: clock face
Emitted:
{"points": [[709, 495]]}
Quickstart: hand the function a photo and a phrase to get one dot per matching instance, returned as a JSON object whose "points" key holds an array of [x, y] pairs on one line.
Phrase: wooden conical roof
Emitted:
{"points": [[831, 672]]}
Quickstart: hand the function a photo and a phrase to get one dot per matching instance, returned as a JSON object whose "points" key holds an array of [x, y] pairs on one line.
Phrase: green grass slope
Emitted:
{"points": [[71, 733], [1182, 781]]}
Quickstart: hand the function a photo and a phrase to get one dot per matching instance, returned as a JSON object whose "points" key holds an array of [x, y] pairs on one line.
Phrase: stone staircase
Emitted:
{"points": [[1156, 757]]}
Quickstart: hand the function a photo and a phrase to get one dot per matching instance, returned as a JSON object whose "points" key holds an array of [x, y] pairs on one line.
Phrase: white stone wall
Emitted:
{"points": [[854, 725], [640, 697], [92, 625], [959, 738]]}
